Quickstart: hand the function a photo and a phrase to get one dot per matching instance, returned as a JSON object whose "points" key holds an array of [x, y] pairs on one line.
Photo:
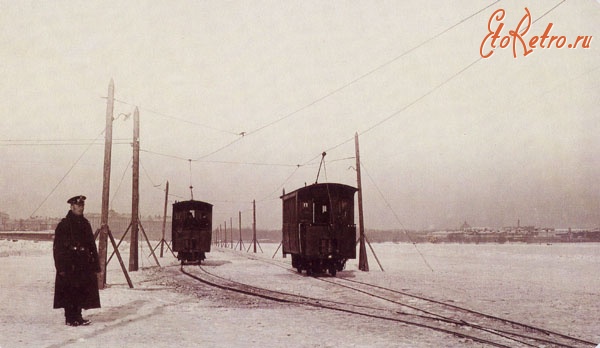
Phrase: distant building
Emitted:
{"points": [[3, 220]]}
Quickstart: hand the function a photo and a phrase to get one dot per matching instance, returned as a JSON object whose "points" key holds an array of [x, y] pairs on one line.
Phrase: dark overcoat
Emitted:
{"points": [[76, 262]]}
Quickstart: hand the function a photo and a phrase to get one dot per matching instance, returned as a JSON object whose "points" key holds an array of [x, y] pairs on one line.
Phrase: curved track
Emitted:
{"points": [[449, 321], [520, 334]]}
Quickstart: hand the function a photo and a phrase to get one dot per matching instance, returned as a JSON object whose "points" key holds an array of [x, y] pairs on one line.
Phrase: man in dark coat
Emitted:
{"points": [[76, 261]]}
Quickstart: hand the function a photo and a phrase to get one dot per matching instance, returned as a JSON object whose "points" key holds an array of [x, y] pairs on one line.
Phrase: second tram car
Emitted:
{"points": [[191, 230], [318, 227]]}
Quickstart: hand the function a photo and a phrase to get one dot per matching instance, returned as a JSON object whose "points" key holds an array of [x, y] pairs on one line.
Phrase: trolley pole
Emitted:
{"points": [[363, 263], [135, 194], [103, 236]]}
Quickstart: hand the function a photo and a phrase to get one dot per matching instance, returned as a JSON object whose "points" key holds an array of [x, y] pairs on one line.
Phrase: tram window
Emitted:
{"points": [[190, 220], [321, 213]]}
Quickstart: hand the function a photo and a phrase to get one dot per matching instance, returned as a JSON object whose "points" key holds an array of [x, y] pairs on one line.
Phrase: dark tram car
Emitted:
{"points": [[318, 227], [191, 230]]}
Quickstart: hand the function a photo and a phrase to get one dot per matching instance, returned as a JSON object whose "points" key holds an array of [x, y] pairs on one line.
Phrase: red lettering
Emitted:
{"points": [[518, 33], [493, 34], [496, 39], [586, 42], [533, 41], [545, 35]]}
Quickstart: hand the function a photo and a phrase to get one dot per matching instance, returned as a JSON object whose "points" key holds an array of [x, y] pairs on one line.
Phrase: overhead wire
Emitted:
{"points": [[280, 187], [370, 72], [348, 84], [66, 174], [55, 143], [162, 114], [223, 162], [329, 94], [241, 135], [114, 195], [426, 94], [306, 106], [149, 178], [435, 88]]}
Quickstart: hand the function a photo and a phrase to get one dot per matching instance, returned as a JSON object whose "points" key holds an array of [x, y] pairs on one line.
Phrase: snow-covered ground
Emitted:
{"points": [[553, 286]]}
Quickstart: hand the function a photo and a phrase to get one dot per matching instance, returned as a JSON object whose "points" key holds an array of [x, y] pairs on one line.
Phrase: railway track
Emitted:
{"points": [[440, 317], [520, 334]]}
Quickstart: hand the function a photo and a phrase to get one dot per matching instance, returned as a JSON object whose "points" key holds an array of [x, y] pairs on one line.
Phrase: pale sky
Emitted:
{"points": [[445, 135]]}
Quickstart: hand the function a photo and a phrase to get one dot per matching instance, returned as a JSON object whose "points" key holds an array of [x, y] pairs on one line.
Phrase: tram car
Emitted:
{"points": [[191, 230], [318, 227]]}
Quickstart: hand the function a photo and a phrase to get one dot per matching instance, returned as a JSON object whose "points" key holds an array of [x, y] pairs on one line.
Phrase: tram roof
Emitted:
{"points": [[192, 204], [320, 188]]}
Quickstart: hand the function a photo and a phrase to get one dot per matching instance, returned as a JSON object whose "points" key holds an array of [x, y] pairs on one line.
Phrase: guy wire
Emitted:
{"points": [[67, 173], [397, 218]]}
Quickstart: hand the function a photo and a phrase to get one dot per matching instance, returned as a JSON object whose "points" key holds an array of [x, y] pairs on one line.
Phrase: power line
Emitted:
{"points": [[55, 140], [348, 84], [223, 162], [114, 195], [372, 71], [426, 94], [280, 187], [51, 143], [158, 113], [66, 174], [150, 179], [327, 95]]}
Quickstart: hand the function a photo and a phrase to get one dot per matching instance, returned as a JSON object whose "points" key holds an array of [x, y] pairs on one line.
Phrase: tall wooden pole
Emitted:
{"points": [[103, 237], [254, 224], [135, 194], [363, 263], [164, 224], [240, 227]]}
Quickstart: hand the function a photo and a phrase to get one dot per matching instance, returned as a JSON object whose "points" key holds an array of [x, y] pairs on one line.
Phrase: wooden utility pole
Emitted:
{"points": [[103, 236], [254, 224], [254, 240], [104, 232], [363, 263], [241, 242], [164, 224], [135, 194]]}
